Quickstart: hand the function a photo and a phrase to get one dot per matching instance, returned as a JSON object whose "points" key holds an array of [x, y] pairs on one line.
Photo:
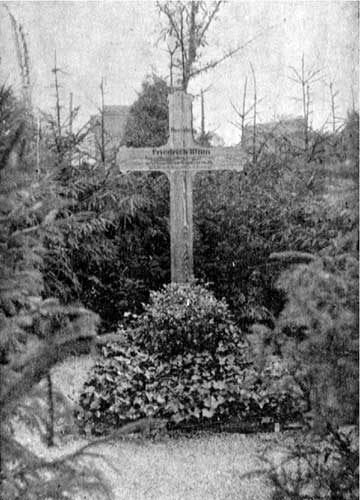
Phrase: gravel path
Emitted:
{"points": [[207, 466]]}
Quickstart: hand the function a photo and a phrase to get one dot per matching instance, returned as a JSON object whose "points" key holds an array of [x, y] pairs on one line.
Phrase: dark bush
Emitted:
{"points": [[183, 360], [128, 384], [185, 318], [317, 333], [319, 468], [323, 306]]}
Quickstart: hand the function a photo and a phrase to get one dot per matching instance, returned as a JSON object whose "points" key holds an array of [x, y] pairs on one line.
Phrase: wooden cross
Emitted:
{"points": [[180, 159]]}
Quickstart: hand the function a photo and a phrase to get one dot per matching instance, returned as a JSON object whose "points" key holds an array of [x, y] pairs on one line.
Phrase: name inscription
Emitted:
{"points": [[190, 159], [187, 159], [181, 152]]}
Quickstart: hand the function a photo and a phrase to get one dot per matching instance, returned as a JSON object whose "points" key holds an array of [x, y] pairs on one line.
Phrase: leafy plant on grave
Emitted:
{"points": [[128, 384], [185, 318], [183, 360]]}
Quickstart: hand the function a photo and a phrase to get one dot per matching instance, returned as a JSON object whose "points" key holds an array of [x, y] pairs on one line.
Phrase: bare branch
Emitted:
{"points": [[312, 74], [296, 73], [211, 17], [237, 125], [292, 257], [254, 117], [203, 91], [227, 55], [244, 113], [165, 10]]}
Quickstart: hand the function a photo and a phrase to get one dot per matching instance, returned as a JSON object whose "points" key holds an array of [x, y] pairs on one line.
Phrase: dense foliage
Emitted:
{"points": [[113, 245], [110, 246], [35, 333], [118, 248], [319, 468], [350, 136], [185, 318], [148, 122], [241, 219], [318, 329], [317, 335], [184, 360]]}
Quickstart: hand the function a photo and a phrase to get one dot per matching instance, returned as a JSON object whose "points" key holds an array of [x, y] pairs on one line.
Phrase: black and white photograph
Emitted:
{"points": [[179, 250]]}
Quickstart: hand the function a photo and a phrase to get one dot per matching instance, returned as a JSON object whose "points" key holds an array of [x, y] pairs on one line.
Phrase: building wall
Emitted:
{"points": [[275, 136], [115, 119]]}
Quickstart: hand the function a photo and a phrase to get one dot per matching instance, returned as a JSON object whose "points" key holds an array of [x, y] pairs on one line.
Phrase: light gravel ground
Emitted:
{"points": [[70, 375], [202, 467], [208, 466]]}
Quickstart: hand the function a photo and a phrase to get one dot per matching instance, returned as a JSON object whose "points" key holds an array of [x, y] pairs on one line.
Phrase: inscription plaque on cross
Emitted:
{"points": [[180, 159]]}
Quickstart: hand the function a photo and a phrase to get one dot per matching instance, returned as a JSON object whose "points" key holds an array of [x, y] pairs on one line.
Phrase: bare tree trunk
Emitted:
{"points": [[243, 114], [70, 113], [306, 105], [70, 125], [254, 116], [305, 79], [189, 23], [202, 115], [22, 54], [50, 401], [102, 112], [171, 53], [333, 96], [38, 131], [185, 81], [57, 96]]}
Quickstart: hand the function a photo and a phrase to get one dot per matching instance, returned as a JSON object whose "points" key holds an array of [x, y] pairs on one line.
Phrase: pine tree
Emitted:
{"points": [[35, 334]]}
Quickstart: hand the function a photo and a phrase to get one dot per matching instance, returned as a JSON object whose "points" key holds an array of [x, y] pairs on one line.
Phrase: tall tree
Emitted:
{"points": [[148, 120], [35, 333], [187, 26], [306, 78]]}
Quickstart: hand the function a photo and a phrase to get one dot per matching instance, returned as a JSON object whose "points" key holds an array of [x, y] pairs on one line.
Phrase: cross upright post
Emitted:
{"points": [[180, 159]]}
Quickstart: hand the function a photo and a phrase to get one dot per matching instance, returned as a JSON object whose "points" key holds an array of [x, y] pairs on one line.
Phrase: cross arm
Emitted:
{"points": [[187, 159]]}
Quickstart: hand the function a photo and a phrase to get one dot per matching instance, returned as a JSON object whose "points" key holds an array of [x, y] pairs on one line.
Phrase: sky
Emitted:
{"points": [[119, 41]]}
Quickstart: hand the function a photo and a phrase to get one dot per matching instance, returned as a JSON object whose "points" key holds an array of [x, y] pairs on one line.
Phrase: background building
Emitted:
{"points": [[115, 118], [276, 136]]}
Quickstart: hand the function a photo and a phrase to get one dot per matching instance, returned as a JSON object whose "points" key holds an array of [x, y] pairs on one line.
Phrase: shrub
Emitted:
{"points": [[35, 333], [319, 468], [128, 384], [319, 334], [185, 318], [241, 219], [183, 360]]}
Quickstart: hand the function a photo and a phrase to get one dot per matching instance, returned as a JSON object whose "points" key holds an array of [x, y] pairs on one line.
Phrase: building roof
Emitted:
{"points": [[115, 109]]}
